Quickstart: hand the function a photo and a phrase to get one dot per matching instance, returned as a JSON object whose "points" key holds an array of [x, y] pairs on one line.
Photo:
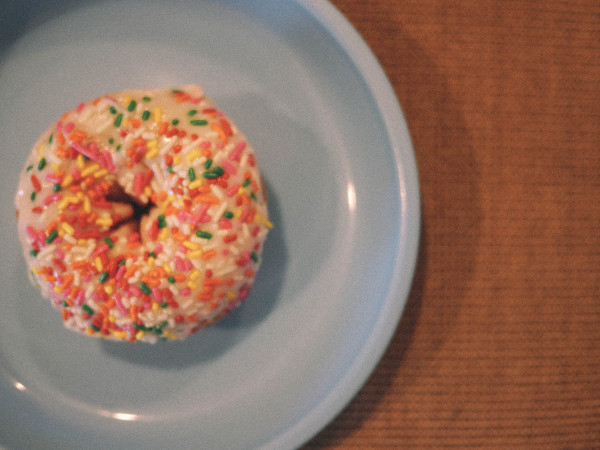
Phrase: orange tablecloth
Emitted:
{"points": [[499, 345]]}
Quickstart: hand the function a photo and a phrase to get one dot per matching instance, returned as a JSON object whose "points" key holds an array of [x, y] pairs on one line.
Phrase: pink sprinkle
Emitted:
{"points": [[53, 178], [200, 213], [99, 250], [59, 126], [138, 183], [157, 294], [84, 151], [76, 174], [225, 224], [51, 199], [109, 161], [120, 272], [232, 190], [59, 253], [205, 145], [135, 290], [69, 127], [228, 168], [237, 151], [119, 302], [158, 249], [31, 232], [179, 263], [186, 291], [188, 265], [244, 215], [80, 107], [182, 249], [80, 298], [195, 100], [247, 256]]}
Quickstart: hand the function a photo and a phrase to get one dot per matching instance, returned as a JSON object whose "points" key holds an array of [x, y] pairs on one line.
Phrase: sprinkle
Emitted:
{"points": [[109, 242], [118, 120], [103, 277], [144, 287], [32, 196], [191, 174], [237, 151], [33, 252], [175, 122], [56, 187], [131, 106], [203, 234], [29, 167], [191, 112], [112, 110], [161, 221], [199, 122], [146, 99], [42, 164], [208, 163], [51, 237], [146, 115], [87, 309], [228, 214]]}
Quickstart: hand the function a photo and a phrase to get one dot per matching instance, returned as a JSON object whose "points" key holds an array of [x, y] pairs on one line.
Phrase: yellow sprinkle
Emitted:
{"points": [[104, 221], [241, 190], [157, 115], [195, 274], [167, 268], [57, 289], [67, 228], [176, 160], [98, 263], [155, 307], [195, 254], [126, 100], [108, 289], [152, 144], [231, 294], [191, 245], [152, 153], [139, 335], [163, 234], [192, 285], [67, 180], [168, 334], [101, 173], [61, 232], [268, 223], [80, 161], [193, 155], [34, 270], [90, 169], [82, 243], [89, 331], [87, 206], [238, 213], [148, 191], [111, 319], [125, 121], [194, 184], [119, 334], [151, 261], [40, 148], [54, 166]]}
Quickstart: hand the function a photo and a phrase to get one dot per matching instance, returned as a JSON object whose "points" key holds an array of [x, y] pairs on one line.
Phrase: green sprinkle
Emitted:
{"points": [[146, 99], [118, 148], [87, 309], [174, 121], [85, 158], [152, 254], [171, 280], [146, 115], [253, 196], [144, 287], [109, 242], [111, 141], [50, 139], [94, 327], [191, 112], [42, 164], [51, 237], [33, 196], [191, 174], [203, 234], [164, 304], [103, 277], [254, 256], [132, 105], [207, 164], [56, 187], [219, 171], [170, 169], [123, 261], [199, 122], [29, 168], [246, 183], [210, 175], [161, 221], [118, 120], [112, 110], [228, 214], [33, 252], [64, 303]]}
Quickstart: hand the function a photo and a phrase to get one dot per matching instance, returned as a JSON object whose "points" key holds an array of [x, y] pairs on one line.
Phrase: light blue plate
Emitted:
{"points": [[343, 189]]}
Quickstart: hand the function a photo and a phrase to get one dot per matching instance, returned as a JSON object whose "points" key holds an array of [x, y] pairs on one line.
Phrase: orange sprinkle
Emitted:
{"points": [[249, 273], [110, 304], [135, 123], [67, 281], [210, 199], [213, 282], [190, 319], [133, 245], [209, 254], [222, 136], [104, 310], [204, 296], [130, 271], [179, 277], [60, 138], [151, 281], [162, 128], [66, 314], [77, 136], [180, 236]]}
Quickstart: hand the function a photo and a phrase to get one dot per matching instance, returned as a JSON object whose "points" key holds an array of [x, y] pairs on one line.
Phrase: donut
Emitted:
{"points": [[142, 215]]}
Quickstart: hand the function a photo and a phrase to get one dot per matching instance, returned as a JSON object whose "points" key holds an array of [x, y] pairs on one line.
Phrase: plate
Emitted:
{"points": [[336, 154]]}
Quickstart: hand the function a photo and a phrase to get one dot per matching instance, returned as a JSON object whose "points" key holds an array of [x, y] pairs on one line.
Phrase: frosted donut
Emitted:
{"points": [[142, 215]]}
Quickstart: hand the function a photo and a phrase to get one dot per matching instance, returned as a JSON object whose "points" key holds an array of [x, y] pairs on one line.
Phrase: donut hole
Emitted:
{"points": [[139, 210]]}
